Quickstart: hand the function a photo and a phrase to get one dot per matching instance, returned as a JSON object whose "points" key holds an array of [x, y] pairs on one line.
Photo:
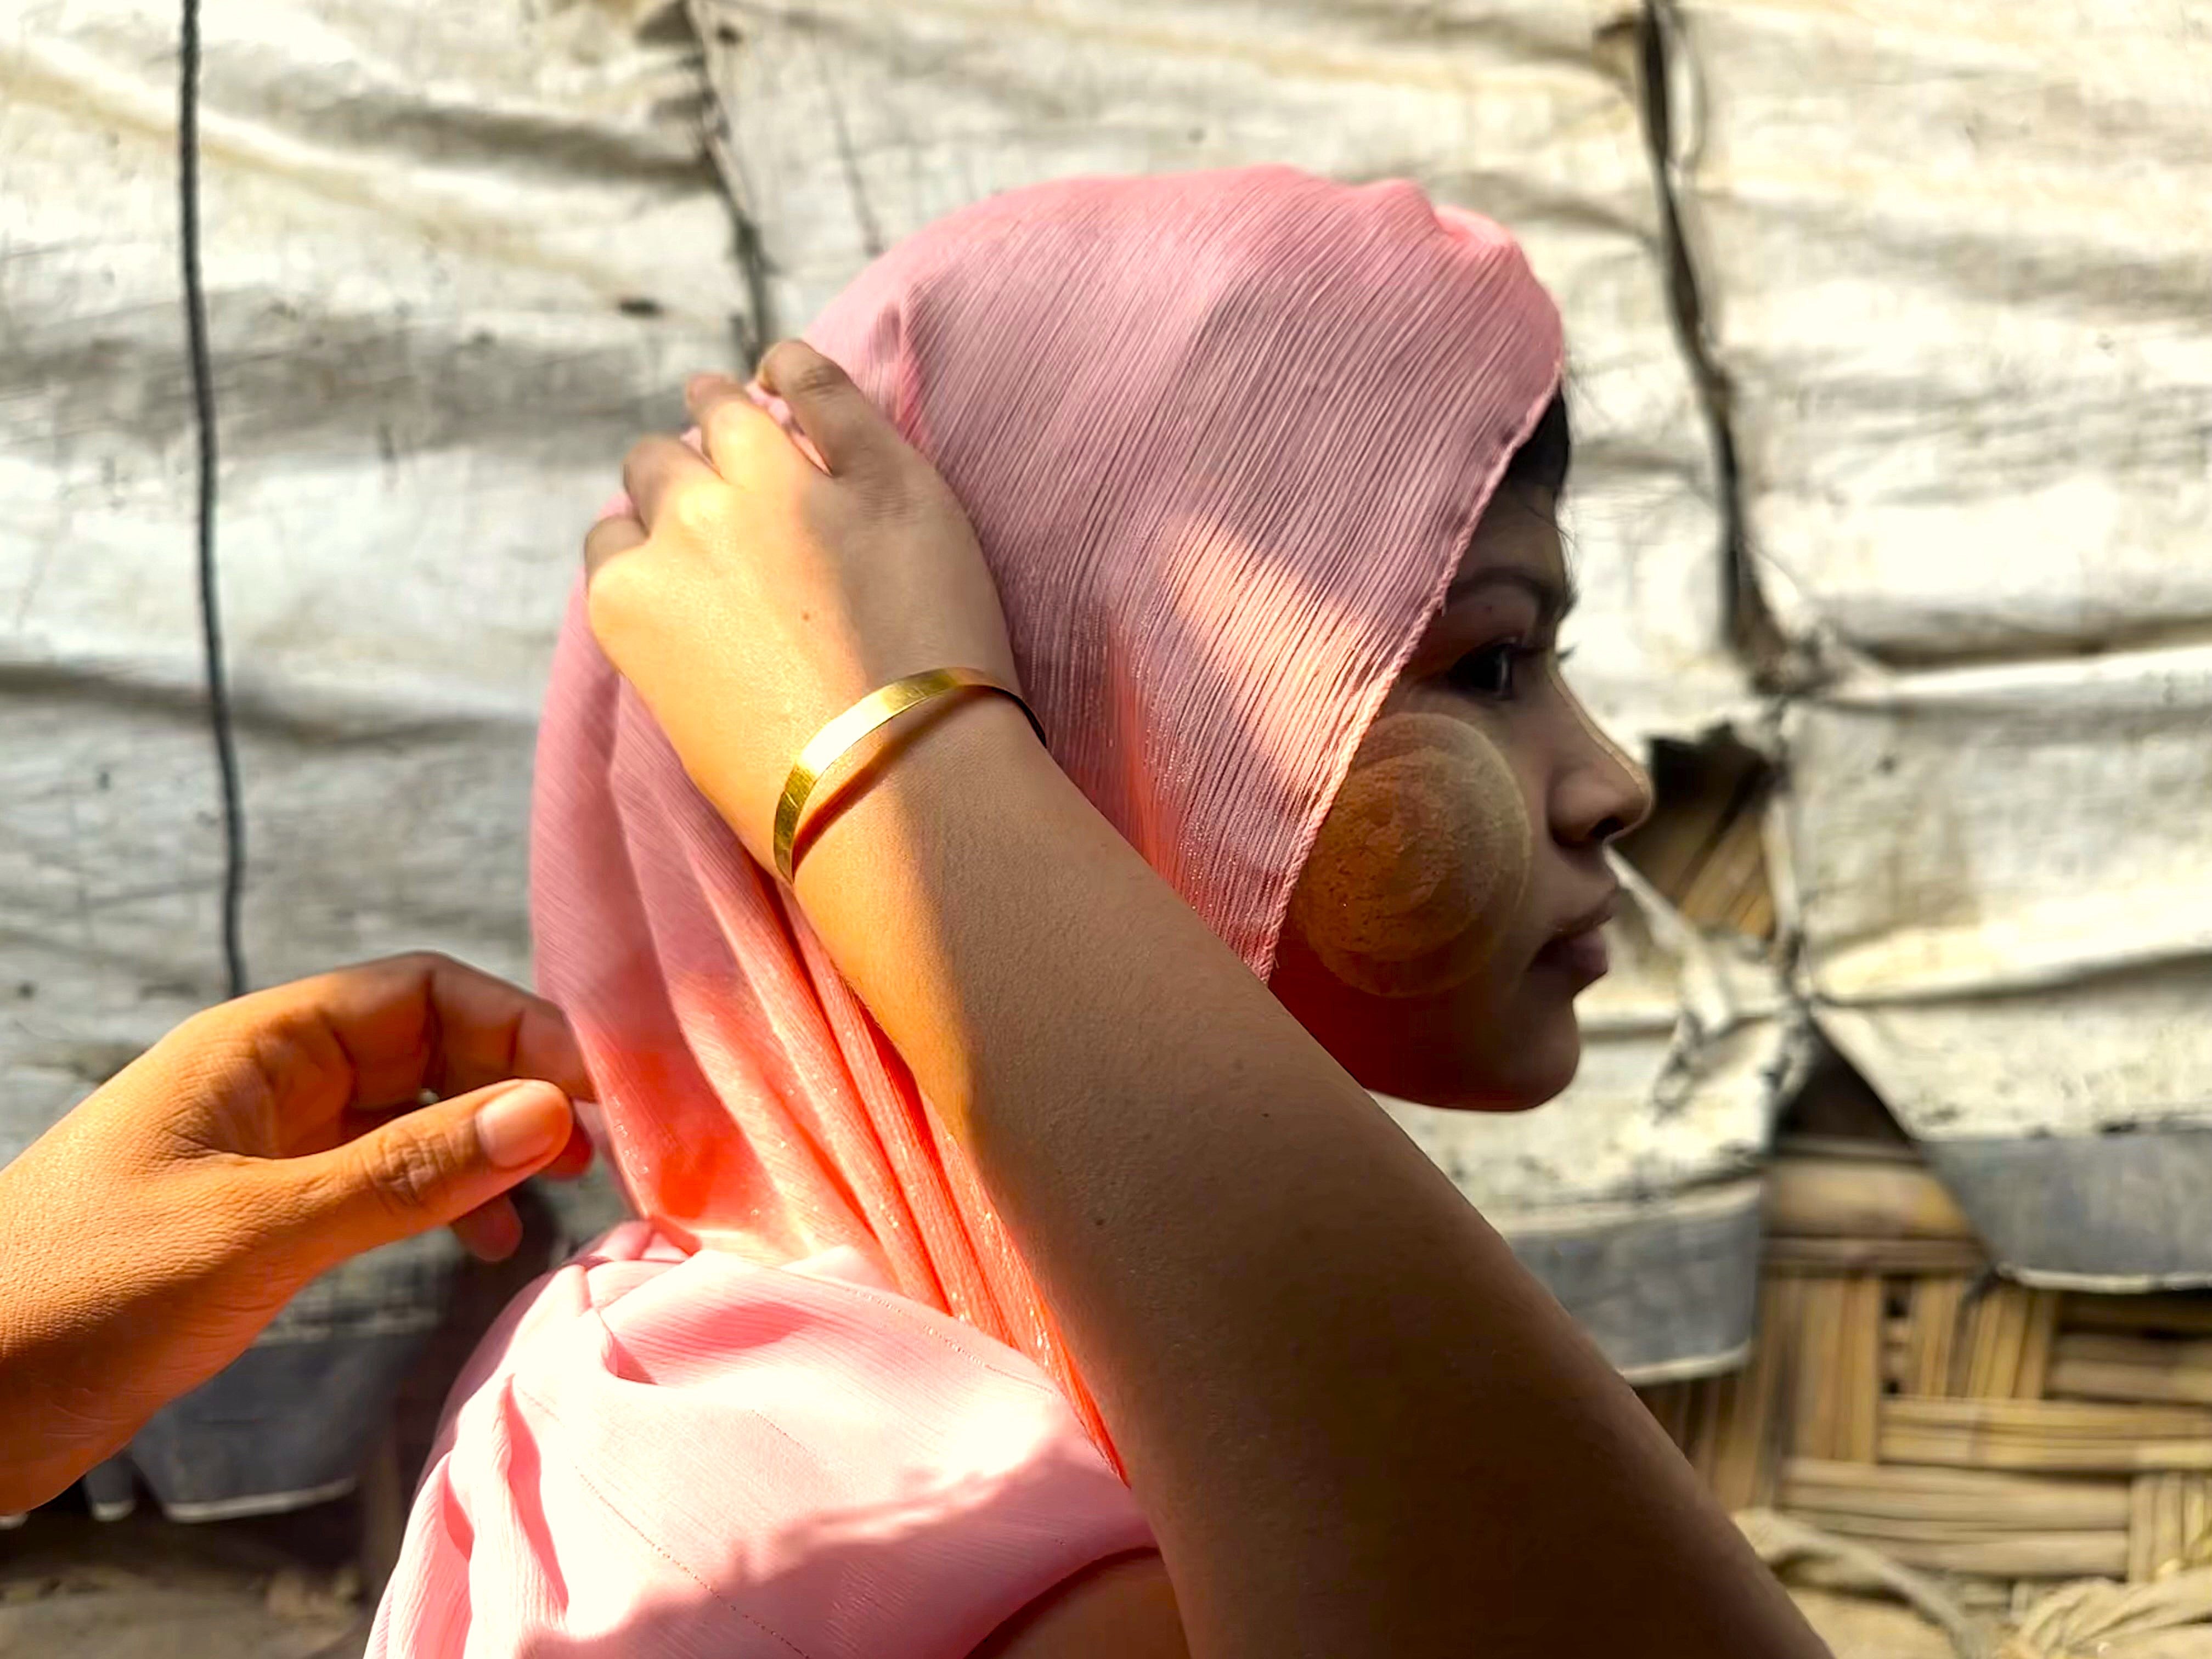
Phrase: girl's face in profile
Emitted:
{"points": [[1489, 1022]]}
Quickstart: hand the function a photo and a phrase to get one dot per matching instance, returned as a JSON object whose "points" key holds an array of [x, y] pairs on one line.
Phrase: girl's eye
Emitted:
{"points": [[1488, 672]]}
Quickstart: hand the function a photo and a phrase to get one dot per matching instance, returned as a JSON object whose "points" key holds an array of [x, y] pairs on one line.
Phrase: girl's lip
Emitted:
{"points": [[1579, 948], [1593, 918], [1582, 956]]}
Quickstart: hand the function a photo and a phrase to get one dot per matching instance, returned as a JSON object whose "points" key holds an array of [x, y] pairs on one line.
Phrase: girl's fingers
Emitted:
{"points": [[846, 429], [654, 470], [608, 539], [732, 427]]}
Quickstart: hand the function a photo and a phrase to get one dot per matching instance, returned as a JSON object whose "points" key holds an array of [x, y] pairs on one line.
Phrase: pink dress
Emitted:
{"points": [[660, 1454]]}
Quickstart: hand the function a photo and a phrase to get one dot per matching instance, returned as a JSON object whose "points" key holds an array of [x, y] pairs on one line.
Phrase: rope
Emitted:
{"points": [[1779, 1542], [195, 339]]}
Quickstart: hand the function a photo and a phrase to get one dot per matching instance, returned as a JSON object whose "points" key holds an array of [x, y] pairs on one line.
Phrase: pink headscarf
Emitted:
{"points": [[1222, 437]]}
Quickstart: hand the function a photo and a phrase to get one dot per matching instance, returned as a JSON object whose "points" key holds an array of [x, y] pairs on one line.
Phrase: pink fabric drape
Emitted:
{"points": [[663, 1453], [1222, 437]]}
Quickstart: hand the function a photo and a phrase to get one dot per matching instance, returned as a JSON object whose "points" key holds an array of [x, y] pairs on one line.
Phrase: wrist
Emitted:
{"points": [[908, 889], [949, 765]]}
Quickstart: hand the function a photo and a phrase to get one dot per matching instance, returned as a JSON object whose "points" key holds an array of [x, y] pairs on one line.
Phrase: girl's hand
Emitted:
{"points": [[752, 594], [157, 1228]]}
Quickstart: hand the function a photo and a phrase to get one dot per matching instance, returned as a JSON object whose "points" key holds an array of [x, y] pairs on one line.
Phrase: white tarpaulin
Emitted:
{"points": [[850, 123], [2005, 891], [456, 260], [1956, 264], [1958, 283]]}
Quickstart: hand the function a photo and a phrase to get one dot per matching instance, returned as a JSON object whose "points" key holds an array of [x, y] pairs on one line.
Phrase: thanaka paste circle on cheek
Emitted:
{"points": [[1421, 862]]}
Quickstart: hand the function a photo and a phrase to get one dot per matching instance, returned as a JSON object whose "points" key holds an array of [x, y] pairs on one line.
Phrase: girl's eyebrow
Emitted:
{"points": [[1554, 599]]}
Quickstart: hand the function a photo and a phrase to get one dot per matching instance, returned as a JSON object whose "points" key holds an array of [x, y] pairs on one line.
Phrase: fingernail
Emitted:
{"points": [[522, 1123]]}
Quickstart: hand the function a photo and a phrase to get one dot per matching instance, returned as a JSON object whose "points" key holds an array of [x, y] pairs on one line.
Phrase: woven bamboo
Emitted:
{"points": [[1915, 1402], [1901, 1394]]}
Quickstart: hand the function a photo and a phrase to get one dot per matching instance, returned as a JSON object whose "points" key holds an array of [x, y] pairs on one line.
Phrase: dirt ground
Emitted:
{"points": [[292, 1587], [289, 1587]]}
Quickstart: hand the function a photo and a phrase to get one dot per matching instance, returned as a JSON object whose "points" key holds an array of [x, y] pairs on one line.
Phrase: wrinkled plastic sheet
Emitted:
{"points": [[1958, 283], [455, 261], [2004, 889], [849, 123], [1956, 265]]}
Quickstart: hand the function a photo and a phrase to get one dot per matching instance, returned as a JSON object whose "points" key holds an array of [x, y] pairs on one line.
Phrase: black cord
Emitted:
{"points": [[196, 337]]}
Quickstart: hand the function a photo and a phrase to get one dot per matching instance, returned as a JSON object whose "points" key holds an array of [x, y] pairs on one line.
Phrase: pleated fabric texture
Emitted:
{"points": [[1222, 437], [660, 1453]]}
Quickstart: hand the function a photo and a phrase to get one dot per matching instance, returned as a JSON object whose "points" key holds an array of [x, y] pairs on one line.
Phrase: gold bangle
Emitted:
{"points": [[878, 710]]}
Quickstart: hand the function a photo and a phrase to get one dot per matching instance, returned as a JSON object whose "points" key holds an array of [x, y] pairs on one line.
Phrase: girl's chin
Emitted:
{"points": [[1532, 1073], [1483, 1046]]}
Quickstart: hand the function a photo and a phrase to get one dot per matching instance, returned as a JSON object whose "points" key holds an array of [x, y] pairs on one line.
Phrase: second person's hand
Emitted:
{"points": [[160, 1224]]}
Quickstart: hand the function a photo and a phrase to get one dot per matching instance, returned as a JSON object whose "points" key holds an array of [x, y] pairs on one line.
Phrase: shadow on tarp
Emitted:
{"points": [[2119, 1213]]}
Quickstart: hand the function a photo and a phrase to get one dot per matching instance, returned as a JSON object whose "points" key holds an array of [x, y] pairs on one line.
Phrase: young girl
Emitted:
{"points": [[1019, 1140]]}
